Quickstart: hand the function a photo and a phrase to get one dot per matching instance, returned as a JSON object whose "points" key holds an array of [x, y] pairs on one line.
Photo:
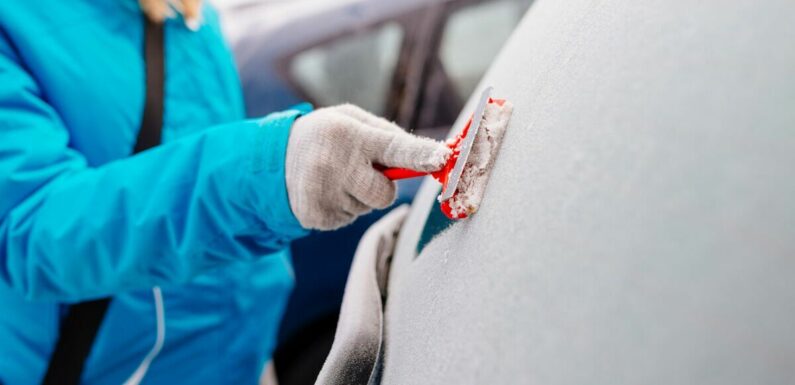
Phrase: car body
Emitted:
{"points": [[638, 225]]}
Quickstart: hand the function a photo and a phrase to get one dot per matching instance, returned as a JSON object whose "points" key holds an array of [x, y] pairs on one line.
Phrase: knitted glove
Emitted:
{"points": [[330, 171]]}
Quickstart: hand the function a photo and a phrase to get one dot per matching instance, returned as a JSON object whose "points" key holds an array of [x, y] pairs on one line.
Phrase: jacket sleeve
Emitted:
{"points": [[72, 232]]}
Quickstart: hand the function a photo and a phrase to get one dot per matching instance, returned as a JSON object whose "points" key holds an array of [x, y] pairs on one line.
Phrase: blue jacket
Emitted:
{"points": [[205, 217]]}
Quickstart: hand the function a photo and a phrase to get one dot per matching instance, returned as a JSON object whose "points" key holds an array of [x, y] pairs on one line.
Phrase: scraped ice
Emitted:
{"points": [[472, 184], [439, 157]]}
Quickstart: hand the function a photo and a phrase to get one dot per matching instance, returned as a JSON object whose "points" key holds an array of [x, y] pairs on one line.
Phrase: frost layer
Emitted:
{"points": [[472, 184]]}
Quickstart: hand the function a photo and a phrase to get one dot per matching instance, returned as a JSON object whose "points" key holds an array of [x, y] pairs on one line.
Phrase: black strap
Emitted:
{"points": [[80, 325], [152, 123]]}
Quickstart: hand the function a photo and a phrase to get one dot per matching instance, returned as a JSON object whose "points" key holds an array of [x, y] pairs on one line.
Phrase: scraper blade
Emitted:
{"points": [[466, 146]]}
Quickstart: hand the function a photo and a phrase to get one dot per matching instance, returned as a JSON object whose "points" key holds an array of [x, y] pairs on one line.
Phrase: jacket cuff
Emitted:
{"points": [[267, 166]]}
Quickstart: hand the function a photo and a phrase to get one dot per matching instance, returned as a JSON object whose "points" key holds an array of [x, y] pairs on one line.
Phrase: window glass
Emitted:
{"points": [[355, 68], [472, 38], [435, 223]]}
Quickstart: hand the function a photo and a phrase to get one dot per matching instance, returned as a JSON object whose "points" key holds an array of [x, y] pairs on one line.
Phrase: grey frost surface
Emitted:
{"points": [[639, 225]]}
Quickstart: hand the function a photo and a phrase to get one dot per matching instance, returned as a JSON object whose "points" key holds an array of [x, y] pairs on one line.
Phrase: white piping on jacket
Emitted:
{"points": [[139, 373]]}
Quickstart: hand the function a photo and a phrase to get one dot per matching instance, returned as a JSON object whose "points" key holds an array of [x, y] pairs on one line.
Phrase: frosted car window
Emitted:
{"points": [[355, 68], [472, 38]]}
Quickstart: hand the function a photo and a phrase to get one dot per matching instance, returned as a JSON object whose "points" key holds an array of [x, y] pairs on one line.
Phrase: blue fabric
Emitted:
{"points": [[205, 216]]}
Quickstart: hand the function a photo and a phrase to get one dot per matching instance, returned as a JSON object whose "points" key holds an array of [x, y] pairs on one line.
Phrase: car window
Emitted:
{"points": [[435, 223], [354, 68], [472, 38]]}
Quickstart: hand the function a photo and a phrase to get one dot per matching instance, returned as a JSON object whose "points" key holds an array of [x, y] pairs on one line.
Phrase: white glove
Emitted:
{"points": [[329, 165]]}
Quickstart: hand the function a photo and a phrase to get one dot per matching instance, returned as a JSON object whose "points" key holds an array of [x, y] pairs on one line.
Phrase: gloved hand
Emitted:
{"points": [[330, 158]]}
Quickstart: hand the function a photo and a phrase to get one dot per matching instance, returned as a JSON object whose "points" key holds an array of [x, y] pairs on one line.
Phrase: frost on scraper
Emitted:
{"points": [[467, 170], [472, 183]]}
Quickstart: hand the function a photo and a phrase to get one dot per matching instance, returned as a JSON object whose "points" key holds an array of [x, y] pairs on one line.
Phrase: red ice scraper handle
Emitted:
{"points": [[401, 173], [394, 173], [442, 175]]}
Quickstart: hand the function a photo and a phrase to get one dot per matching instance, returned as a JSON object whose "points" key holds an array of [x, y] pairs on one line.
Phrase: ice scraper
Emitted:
{"points": [[466, 172]]}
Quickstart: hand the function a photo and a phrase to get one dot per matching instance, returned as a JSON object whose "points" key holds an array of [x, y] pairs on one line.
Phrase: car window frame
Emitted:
{"points": [[434, 31], [432, 63], [406, 21]]}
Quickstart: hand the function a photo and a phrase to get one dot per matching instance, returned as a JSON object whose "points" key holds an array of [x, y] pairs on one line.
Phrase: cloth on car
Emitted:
{"points": [[355, 355]]}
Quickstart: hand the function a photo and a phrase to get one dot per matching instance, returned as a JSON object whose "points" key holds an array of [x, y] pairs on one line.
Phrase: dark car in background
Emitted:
{"points": [[412, 61]]}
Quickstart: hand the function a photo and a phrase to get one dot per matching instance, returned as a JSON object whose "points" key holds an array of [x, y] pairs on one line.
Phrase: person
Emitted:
{"points": [[189, 237]]}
